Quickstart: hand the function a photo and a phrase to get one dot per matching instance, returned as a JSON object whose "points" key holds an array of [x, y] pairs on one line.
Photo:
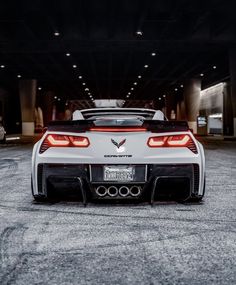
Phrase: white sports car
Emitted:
{"points": [[118, 153]]}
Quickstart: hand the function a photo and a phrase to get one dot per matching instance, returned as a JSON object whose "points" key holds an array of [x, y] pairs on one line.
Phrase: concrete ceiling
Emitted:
{"points": [[187, 37]]}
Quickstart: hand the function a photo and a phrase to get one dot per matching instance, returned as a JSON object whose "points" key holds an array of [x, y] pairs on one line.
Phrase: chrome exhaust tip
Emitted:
{"points": [[135, 191], [124, 191], [112, 191], [101, 191]]}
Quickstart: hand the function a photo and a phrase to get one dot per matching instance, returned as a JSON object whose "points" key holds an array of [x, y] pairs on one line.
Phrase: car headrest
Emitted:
{"points": [[77, 115], [159, 116]]}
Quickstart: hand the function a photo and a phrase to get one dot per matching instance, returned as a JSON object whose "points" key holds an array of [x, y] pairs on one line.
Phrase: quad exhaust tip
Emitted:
{"points": [[135, 191], [124, 191], [101, 191], [112, 191]]}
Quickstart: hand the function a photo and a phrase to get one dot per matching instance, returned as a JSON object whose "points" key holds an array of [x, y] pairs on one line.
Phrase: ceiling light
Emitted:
{"points": [[182, 86], [159, 98], [59, 99], [84, 83], [139, 76], [139, 33], [146, 65], [127, 96], [56, 34], [202, 74], [74, 66], [132, 88], [176, 89], [89, 93], [164, 96], [153, 54], [39, 88], [55, 97], [86, 89], [68, 54], [80, 77], [19, 76], [214, 66], [129, 93], [135, 83], [2, 66]]}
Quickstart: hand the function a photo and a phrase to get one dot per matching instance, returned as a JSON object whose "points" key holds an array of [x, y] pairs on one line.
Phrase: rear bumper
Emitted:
{"points": [[178, 181]]}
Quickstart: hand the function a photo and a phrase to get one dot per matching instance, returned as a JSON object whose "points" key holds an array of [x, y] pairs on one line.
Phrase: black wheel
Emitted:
{"points": [[3, 140], [200, 197], [38, 198]]}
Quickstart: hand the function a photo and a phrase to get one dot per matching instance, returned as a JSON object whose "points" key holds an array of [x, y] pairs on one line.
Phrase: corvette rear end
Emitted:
{"points": [[119, 157]]}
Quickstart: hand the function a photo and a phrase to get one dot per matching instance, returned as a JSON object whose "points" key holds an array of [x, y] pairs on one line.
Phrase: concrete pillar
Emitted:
{"points": [[27, 90], [171, 106], [192, 90], [48, 106], [232, 66]]}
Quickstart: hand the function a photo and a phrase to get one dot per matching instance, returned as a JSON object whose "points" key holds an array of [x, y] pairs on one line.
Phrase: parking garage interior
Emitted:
{"points": [[59, 56], [177, 56]]}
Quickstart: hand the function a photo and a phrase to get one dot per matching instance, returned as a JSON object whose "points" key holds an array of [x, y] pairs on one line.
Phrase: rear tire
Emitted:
{"points": [[38, 198], [200, 197], [3, 141]]}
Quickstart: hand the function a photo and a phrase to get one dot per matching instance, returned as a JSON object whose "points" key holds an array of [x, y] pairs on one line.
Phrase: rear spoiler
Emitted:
{"points": [[80, 126]]}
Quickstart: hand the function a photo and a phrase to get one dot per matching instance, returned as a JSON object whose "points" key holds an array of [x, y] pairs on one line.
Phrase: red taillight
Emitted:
{"points": [[80, 141], [172, 141], [58, 140], [54, 140], [178, 140]]}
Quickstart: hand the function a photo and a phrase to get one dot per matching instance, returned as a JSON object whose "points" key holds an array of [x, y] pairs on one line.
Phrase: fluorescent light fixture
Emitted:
{"points": [[153, 54], [139, 33], [146, 66], [68, 54], [56, 33]]}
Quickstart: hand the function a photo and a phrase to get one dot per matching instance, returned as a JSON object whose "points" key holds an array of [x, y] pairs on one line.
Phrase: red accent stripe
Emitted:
{"points": [[125, 129]]}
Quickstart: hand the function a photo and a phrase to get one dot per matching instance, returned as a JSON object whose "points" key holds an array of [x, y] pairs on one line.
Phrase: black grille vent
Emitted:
{"points": [[196, 177], [40, 178], [44, 146], [192, 147]]}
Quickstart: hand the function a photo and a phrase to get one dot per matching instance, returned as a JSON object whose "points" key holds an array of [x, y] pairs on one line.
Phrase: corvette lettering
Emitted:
{"points": [[119, 155]]}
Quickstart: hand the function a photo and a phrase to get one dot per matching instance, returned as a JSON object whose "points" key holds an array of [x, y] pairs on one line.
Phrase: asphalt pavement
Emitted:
{"points": [[170, 243]]}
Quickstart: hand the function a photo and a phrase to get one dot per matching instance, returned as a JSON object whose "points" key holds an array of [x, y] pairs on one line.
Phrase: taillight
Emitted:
{"points": [[173, 141], [54, 140], [58, 140], [79, 141]]}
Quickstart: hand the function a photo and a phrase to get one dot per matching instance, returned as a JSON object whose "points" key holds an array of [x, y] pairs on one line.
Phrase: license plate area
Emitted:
{"points": [[118, 173]]}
